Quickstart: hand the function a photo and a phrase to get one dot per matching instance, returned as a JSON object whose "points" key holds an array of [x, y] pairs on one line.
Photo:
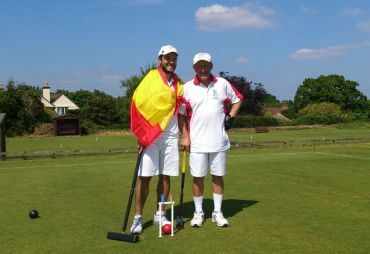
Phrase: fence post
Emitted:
{"points": [[2, 137]]}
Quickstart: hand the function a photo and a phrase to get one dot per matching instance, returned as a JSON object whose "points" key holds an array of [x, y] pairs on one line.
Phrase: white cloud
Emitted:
{"points": [[364, 26], [242, 60], [111, 78], [332, 51], [218, 17], [352, 11], [308, 10]]}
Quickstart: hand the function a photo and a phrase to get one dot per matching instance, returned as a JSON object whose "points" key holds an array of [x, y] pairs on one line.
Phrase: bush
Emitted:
{"points": [[88, 127], [311, 119], [248, 121], [357, 117], [320, 113]]}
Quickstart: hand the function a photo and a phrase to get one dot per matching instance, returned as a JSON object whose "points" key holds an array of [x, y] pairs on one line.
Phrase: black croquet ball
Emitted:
{"points": [[33, 214]]}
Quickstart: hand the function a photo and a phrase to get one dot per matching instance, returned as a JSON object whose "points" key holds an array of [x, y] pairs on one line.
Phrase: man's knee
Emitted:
{"points": [[144, 181], [164, 178], [219, 180], [198, 180]]}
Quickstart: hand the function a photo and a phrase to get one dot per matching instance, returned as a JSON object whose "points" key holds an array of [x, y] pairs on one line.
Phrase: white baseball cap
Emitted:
{"points": [[166, 50], [202, 56]]}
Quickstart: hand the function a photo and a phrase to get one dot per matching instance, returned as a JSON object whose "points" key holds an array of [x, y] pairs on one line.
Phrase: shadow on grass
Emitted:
{"points": [[230, 207]]}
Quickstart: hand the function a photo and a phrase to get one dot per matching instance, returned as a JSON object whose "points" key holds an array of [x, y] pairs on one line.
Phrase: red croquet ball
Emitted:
{"points": [[166, 229]]}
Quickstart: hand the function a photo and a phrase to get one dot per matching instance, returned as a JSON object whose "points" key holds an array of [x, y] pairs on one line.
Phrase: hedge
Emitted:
{"points": [[248, 121]]}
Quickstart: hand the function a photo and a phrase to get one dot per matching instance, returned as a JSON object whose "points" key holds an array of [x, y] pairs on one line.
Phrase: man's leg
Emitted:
{"points": [[168, 166], [198, 189], [141, 193], [218, 170], [198, 169], [218, 190], [163, 188]]}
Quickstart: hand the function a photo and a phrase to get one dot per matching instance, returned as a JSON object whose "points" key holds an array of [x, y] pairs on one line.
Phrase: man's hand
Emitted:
{"points": [[139, 145], [229, 120], [185, 143]]}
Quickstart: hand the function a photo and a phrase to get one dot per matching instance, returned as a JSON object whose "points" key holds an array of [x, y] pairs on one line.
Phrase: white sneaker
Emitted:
{"points": [[160, 216], [218, 217], [137, 228], [197, 220]]}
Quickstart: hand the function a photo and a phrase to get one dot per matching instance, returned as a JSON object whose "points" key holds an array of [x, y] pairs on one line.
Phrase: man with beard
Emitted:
{"points": [[154, 122]]}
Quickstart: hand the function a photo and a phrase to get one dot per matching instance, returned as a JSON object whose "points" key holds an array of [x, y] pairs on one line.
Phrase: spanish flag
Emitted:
{"points": [[153, 105]]}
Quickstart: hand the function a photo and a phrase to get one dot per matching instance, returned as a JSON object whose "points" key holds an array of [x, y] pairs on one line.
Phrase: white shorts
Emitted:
{"points": [[199, 163], [160, 158]]}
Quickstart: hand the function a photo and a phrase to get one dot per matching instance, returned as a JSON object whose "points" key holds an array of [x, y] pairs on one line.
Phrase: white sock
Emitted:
{"points": [[159, 213], [217, 201], [198, 202]]}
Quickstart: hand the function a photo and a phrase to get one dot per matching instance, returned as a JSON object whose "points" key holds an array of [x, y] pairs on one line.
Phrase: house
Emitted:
{"points": [[59, 103], [277, 112], [64, 123]]}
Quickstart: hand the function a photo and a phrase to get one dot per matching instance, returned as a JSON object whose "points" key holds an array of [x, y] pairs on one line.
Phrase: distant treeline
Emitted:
{"points": [[324, 100]]}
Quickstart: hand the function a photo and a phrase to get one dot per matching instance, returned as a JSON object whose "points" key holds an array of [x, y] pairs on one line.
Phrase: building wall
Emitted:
{"points": [[63, 101]]}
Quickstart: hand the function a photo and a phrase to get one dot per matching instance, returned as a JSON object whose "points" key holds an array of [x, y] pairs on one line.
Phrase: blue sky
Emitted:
{"points": [[93, 44]]}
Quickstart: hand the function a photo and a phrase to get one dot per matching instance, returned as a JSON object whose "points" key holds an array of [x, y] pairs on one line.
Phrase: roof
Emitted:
{"points": [[54, 96], [275, 111], [66, 117]]}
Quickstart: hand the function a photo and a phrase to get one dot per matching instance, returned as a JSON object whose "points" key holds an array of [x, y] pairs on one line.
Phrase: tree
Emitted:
{"points": [[23, 107], [272, 101], [124, 110], [131, 83], [254, 94], [331, 88], [101, 109]]}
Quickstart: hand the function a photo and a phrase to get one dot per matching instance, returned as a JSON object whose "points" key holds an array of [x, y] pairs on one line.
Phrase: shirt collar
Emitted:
{"points": [[197, 82], [173, 80]]}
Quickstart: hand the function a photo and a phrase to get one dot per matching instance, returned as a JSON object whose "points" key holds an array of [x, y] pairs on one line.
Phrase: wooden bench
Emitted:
{"points": [[261, 129]]}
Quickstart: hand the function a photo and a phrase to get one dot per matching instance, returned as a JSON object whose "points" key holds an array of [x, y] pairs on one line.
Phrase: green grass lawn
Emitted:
{"points": [[19, 144], [277, 200], [27, 144], [329, 132]]}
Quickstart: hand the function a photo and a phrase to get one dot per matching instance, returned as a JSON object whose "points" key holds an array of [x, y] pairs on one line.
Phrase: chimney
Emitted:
{"points": [[46, 91], [284, 105], [1, 87]]}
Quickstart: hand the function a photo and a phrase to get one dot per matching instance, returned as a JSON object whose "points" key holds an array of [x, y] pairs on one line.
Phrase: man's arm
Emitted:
{"points": [[235, 108], [185, 138], [229, 119]]}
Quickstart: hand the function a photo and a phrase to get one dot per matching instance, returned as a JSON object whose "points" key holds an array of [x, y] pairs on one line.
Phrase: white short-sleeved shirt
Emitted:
{"points": [[172, 129], [206, 107]]}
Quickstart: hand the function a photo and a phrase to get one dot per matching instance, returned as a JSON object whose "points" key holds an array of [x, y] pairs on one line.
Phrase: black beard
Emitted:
{"points": [[166, 71]]}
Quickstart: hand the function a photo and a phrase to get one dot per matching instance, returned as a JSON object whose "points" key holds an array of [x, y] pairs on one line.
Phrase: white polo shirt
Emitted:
{"points": [[206, 107], [172, 129]]}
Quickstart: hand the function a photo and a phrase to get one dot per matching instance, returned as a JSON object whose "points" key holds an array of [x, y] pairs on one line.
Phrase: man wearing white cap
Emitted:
{"points": [[206, 99], [154, 122]]}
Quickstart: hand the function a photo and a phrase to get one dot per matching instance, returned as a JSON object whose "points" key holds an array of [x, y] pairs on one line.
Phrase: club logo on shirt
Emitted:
{"points": [[215, 95]]}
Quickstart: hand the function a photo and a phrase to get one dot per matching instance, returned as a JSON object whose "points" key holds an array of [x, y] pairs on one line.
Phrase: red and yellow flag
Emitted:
{"points": [[153, 105]]}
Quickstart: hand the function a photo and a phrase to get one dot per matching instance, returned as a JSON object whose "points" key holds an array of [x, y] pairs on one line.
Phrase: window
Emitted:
{"points": [[61, 110]]}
